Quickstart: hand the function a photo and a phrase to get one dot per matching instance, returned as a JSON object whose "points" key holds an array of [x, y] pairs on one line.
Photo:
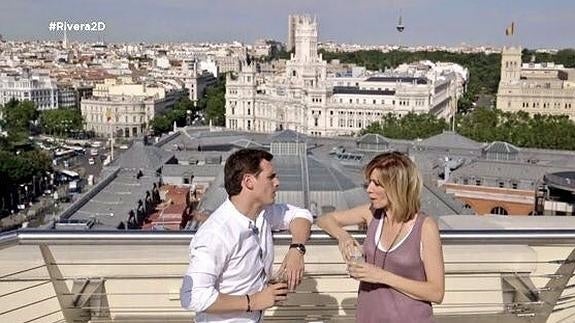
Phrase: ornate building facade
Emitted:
{"points": [[306, 99], [544, 88]]}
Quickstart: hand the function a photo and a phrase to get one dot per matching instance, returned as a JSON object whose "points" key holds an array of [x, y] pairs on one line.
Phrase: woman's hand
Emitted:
{"points": [[366, 272], [346, 246]]}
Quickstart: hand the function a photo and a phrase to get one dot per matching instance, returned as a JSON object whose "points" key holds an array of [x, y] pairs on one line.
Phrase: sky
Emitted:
{"points": [[539, 24]]}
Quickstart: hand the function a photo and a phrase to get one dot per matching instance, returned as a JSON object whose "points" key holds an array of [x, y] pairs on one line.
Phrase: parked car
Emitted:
{"points": [[91, 161]]}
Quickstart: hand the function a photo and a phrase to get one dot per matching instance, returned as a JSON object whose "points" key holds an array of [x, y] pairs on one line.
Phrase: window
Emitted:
{"points": [[478, 182], [499, 211]]}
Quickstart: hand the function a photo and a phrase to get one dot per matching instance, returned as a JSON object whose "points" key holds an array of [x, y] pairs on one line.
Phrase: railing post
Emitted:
{"points": [[65, 298], [555, 287]]}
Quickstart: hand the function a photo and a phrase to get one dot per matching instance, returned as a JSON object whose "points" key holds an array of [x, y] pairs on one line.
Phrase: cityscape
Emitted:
{"points": [[113, 144]]}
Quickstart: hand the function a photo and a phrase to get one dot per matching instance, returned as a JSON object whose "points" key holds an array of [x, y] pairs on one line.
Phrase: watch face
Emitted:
{"points": [[300, 247]]}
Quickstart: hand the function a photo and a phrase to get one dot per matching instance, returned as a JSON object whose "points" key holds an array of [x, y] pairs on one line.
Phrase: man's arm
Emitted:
{"points": [[208, 256], [204, 298], [255, 302], [300, 221]]}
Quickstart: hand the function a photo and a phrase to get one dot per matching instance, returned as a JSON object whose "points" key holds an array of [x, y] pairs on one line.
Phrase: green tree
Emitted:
{"points": [[215, 102], [160, 124], [19, 115], [518, 128], [61, 121], [410, 126], [164, 123]]}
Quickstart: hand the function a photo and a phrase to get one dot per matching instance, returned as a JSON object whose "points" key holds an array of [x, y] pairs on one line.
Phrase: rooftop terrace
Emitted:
{"points": [[506, 271]]}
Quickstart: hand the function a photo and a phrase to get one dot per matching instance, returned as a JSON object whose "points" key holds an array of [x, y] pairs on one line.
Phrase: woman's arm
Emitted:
{"points": [[432, 289], [333, 224]]}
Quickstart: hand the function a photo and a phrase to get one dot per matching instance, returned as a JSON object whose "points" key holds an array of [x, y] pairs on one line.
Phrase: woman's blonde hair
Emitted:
{"points": [[402, 182]]}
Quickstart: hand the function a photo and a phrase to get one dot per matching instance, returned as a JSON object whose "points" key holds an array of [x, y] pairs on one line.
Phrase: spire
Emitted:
{"points": [[65, 41]]}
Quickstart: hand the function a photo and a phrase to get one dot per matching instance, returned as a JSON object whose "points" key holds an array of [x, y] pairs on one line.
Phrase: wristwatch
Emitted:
{"points": [[300, 247]]}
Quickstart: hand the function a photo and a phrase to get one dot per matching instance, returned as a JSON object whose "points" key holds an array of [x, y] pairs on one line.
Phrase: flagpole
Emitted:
{"points": [[112, 143]]}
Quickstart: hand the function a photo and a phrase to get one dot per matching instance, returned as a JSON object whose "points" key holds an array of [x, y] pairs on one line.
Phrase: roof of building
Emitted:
{"points": [[450, 140], [501, 147], [145, 157], [288, 136], [209, 170], [111, 205], [504, 170], [247, 143], [402, 79], [356, 90], [372, 138]]}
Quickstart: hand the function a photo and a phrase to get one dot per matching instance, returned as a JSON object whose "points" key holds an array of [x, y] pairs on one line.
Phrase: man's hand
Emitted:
{"points": [[293, 267], [269, 296]]}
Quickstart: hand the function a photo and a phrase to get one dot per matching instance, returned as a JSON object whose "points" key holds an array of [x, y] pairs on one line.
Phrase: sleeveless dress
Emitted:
{"points": [[379, 303]]}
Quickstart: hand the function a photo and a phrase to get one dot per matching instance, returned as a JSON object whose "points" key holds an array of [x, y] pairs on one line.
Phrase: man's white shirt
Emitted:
{"points": [[230, 254]]}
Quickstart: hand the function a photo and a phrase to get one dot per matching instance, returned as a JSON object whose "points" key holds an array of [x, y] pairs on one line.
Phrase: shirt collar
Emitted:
{"points": [[242, 220]]}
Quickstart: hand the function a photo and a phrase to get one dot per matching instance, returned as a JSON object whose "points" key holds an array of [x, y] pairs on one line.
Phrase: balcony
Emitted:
{"points": [[491, 276]]}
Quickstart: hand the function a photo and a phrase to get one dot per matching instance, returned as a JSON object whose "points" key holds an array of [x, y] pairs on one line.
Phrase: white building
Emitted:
{"points": [[196, 79], [126, 109], [38, 88], [544, 88], [307, 100], [228, 63]]}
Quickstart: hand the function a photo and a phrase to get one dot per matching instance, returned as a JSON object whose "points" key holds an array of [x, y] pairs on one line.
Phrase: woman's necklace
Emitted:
{"points": [[390, 246]]}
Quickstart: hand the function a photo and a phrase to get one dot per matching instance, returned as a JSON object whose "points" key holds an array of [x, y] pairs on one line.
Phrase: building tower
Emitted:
{"points": [[510, 65], [65, 41], [306, 67], [292, 19], [306, 39]]}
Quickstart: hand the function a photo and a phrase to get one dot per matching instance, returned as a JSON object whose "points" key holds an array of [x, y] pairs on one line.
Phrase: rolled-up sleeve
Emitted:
{"points": [[208, 254], [281, 215]]}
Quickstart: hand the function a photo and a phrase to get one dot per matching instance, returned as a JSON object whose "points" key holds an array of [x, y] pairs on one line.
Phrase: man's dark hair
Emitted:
{"points": [[240, 163]]}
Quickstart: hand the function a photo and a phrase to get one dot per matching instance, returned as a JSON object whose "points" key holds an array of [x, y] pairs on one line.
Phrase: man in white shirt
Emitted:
{"points": [[231, 255]]}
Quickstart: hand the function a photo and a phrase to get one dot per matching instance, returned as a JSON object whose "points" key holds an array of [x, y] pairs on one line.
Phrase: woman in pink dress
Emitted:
{"points": [[400, 266]]}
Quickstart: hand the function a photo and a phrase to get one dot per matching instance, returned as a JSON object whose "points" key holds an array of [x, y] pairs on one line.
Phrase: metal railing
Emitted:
{"points": [[523, 288], [448, 237]]}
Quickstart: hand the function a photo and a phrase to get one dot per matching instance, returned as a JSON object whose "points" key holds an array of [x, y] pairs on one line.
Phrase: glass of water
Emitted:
{"points": [[356, 255]]}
